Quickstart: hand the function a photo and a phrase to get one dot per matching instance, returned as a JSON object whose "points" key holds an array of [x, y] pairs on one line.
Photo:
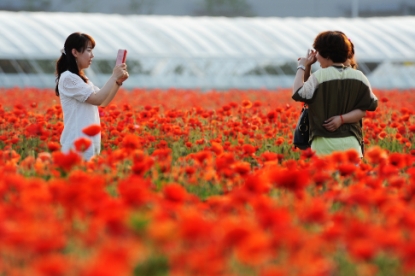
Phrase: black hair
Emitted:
{"points": [[67, 61]]}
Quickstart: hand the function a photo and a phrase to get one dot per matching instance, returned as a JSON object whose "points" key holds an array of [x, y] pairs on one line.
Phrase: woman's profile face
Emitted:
{"points": [[84, 59]]}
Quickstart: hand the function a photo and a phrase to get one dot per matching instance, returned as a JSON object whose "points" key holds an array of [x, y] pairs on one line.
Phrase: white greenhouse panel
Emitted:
{"points": [[201, 52]]}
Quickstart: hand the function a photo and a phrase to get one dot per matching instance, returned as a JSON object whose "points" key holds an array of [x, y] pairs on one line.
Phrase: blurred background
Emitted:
{"points": [[232, 8], [205, 44]]}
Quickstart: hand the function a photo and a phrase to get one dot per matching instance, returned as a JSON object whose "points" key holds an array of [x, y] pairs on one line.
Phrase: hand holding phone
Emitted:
{"points": [[121, 56]]}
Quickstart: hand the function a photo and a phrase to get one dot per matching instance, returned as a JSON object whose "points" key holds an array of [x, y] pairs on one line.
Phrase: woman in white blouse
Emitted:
{"points": [[79, 97]]}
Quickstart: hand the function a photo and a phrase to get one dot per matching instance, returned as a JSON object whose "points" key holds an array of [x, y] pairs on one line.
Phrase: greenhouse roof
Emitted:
{"points": [[43, 34], [209, 47]]}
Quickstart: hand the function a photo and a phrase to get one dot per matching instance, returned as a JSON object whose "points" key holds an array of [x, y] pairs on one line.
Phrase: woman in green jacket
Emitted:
{"points": [[337, 95]]}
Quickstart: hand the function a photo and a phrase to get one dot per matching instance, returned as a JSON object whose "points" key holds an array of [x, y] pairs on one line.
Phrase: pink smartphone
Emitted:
{"points": [[121, 56]]}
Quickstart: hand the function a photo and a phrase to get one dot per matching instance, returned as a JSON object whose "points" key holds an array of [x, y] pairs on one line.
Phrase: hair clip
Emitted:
{"points": [[63, 51]]}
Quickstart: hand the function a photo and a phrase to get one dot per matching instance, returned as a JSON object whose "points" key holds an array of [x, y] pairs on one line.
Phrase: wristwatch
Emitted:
{"points": [[301, 67]]}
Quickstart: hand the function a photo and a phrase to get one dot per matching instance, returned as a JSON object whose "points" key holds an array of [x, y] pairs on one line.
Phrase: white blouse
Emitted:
{"points": [[77, 114]]}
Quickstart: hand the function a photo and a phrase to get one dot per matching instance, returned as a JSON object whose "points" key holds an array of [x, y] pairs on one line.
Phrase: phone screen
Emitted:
{"points": [[121, 56]]}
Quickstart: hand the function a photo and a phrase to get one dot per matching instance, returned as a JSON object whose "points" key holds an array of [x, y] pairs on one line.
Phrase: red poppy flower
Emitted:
{"points": [[82, 144], [246, 104], [291, 179], [347, 169], [174, 192], [34, 130], [271, 116], [135, 190], [362, 249], [248, 149], [201, 156], [269, 156], [92, 130], [258, 183], [52, 265], [53, 146], [66, 161], [241, 167], [376, 155], [217, 148], [397, 159], [316, 212], [131, 142]]}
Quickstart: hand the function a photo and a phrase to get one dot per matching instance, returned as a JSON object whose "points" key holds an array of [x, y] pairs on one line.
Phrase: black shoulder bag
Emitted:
{"points": [[301, 132]]}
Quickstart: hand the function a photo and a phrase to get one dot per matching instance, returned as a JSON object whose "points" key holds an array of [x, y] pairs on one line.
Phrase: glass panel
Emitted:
{"points": [[371, 66], [26, 67], [47, 65], [103, 66], [289, 68], [106, 67], [266, 69], [135, 67], [7, 66]]}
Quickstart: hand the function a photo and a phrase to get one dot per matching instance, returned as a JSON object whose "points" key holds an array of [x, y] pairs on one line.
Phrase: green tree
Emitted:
{"points": [[228, 8], [142, 6], [40, 5]]}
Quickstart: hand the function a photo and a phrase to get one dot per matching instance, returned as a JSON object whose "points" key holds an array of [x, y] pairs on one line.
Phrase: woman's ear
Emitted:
{"points": [[74, 52]]}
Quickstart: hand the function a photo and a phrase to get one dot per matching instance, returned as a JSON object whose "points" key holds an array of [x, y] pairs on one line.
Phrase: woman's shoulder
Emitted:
{"points": [[69, 80], [69, 75], [356, 74]]}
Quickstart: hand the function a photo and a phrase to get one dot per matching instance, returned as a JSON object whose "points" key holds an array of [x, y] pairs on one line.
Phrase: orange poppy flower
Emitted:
{"points": [[376, 155], [246, 104], [217, 148]]}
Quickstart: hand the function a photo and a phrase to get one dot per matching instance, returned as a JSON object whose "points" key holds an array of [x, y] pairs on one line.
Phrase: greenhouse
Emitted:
{"points": [[200, 52]]}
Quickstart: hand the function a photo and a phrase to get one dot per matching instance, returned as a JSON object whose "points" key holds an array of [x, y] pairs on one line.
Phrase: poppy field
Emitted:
{"points": [[203, 183]]}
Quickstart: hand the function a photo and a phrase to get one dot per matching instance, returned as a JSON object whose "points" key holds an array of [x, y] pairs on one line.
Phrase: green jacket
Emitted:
{"points": [[334, 91]]}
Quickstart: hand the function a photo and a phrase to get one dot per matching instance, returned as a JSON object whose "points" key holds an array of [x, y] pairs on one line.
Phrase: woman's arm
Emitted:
{"points": [[307, 72], [105, 95], [301, 75], [311, 58], [335, 122]]}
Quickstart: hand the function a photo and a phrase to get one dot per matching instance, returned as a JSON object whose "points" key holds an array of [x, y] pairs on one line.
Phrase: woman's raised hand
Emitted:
{"points": [[311, 57], [120, 72], [308, 60]]}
